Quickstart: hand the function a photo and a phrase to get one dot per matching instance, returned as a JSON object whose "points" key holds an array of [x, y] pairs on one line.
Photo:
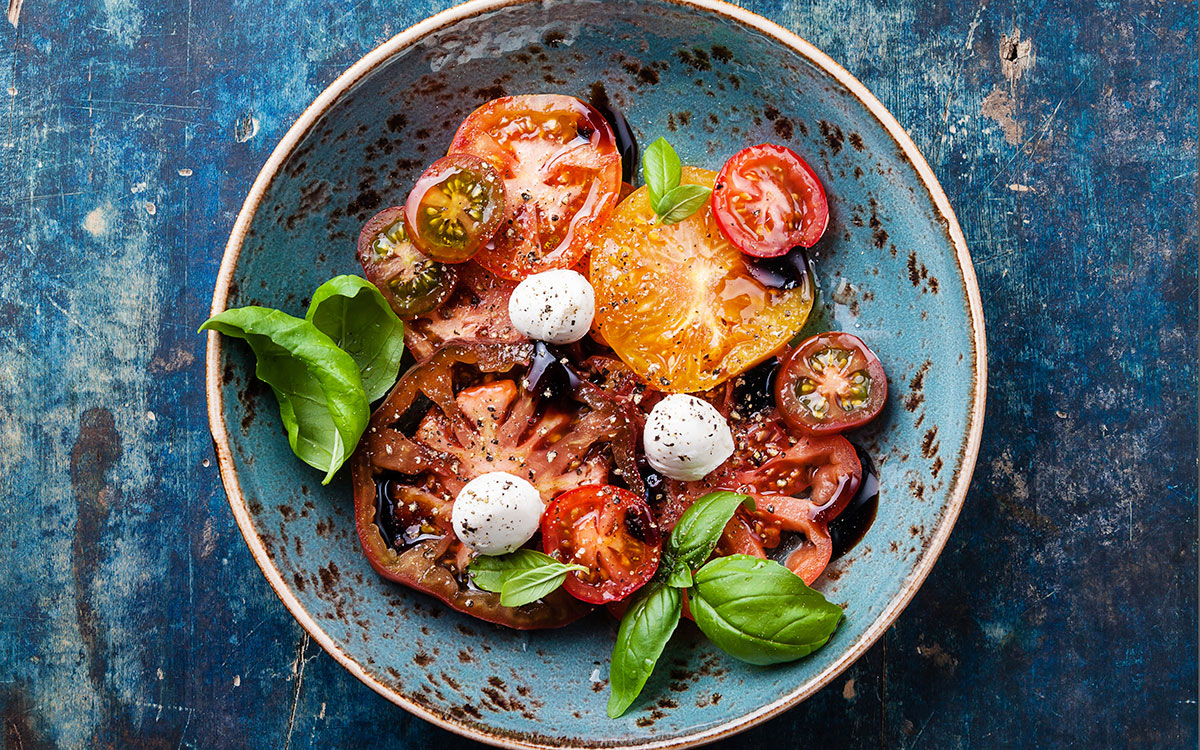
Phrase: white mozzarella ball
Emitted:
{"points": [[686, 438], [496, 513], [553, 306]]}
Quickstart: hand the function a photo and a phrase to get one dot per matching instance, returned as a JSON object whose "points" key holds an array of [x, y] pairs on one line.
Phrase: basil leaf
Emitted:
{"points": [[352, 312], [759, 611], [699, 528], [318, 386], [661, 171], [681, 202], [530, 585], [644, 632], [491, 571]]}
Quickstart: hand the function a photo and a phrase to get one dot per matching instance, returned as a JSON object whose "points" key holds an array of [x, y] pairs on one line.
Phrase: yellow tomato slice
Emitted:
{"points": [[677, 302]]}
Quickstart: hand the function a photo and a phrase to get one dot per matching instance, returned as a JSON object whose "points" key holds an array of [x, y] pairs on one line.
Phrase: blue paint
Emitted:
{"points": [[1068, 589]]}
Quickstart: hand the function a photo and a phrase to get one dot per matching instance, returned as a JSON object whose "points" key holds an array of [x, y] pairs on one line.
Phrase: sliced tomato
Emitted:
{"points": [[609, 530], [739, 537], [679, 304], [810, 546], [410, 281], [458, 414], [562, 175], [816, 477], [767, 200], [455, 207], [478, 309], [829, 383]]}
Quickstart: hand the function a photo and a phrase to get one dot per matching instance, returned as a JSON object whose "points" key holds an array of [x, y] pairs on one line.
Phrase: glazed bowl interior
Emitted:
{"points": [[893, 269]]}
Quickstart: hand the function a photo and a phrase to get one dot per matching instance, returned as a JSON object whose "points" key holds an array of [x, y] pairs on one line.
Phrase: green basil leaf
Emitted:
{"points": [[680, 577], [352, 312], [530, 585], [699, 528], [681, 202], [318, 386], [759, 611], [644, 632], [661, 171], [491, 571]]}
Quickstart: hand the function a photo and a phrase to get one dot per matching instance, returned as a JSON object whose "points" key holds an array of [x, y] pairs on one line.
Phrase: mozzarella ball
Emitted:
{"points": [[553, 306], [496, 513], [686, 438]]}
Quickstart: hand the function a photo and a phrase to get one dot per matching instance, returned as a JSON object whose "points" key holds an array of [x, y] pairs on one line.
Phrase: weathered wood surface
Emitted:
{"points": [[1062, 613]]}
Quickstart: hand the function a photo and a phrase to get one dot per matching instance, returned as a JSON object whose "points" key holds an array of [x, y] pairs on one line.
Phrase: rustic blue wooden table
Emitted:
{"points": [[1064, 609]]}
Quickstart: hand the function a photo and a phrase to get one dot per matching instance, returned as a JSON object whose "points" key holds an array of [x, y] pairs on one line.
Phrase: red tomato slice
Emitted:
{"points": [[809, 559], [609, 530], [562, 176], [767, 200], [831, 382], [815, 478], [798, 488]]}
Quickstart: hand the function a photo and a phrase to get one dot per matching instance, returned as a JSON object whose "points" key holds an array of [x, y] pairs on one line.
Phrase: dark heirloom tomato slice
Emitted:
{"points": [[829, 383], [455, 208], [609, 530], [411, 282], [458, 414], [562, 175], [478, 309], [767, 200]]}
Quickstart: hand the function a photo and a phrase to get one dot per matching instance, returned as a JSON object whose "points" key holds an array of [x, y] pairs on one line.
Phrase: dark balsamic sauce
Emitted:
{"points": [[754, 390], [627, 144], [785, 272], [385, 513], [549, 376], [852, 523], [655, 484], [389, 518]]}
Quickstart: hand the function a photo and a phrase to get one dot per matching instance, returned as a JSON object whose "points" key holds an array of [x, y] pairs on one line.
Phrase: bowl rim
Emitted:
{"points": [[959, 483]]}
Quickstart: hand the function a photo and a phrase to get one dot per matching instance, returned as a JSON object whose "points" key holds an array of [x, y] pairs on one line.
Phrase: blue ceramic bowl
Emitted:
{"points": [[893, 268]]}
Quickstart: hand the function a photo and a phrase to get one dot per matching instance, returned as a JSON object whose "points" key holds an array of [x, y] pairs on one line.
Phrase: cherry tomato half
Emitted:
{"points": [[767, 200], [562, 174], [831, 382], [455, 207], [609, 530], [410, 281]]}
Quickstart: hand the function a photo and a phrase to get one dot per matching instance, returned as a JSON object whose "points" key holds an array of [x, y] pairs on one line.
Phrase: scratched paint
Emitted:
{"points": [[1071, 564]]}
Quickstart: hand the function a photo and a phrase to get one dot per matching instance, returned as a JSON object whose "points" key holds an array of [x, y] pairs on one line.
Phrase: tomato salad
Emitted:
{"points": [[608, 403]]}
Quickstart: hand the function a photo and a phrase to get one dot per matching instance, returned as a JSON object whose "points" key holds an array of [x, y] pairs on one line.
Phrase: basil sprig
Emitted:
{"points": [[755, 610], [520, 577], [326, 369], [662, 171]]}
